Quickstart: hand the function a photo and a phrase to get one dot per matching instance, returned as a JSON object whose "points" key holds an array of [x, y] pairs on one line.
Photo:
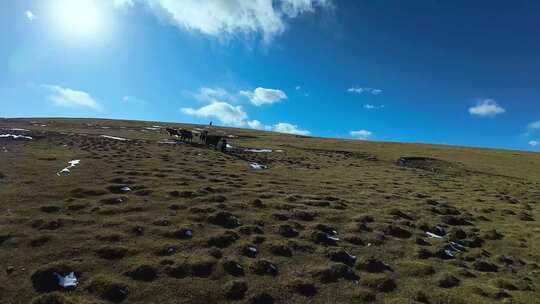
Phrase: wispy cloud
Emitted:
{"points": [[224, 19], [534, 143], [534, 126], [360, 90], [66, 97], [486, 108], [373, 107], [361, 134], [30, 15], [133, 99], [261, 96], [285, 127]]}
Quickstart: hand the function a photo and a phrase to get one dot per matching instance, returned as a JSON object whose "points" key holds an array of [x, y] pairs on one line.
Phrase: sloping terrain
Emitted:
{"points": [[151, 220]]}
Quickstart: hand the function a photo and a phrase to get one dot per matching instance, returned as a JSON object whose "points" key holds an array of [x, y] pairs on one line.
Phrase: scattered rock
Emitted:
{"points": [[324, 238], [373, 265], [448, 281], [281, 250], [288, 231], [179, 271], [224, 240], [182, 234], [109, 290], [342, 256], [202, 268], [250, 251], [233, 268], [304, 288], [262, 298], [235, 290], [145, 273], [264, 267], [336, 272], [455, 220], [224, 219], [485, 266], [397, 231], [304, 216], [111, 253]]}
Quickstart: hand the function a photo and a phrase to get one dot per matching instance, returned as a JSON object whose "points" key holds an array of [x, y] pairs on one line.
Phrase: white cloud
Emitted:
{"points": [[284, 127], [359, 90], [534, 143], [361, 134], [534, 126], [261, 96], [486, 108], [71, 98], [223, 111], [297, 88], [133, 99], [221, 19], [30, 15], [257, 125], [206, 94], [373, 107], [123, 3]]}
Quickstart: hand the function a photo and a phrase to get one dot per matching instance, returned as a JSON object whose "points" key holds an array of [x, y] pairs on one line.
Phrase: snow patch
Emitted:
{"points": [[66, 171], [14, 136], [115, 138]]}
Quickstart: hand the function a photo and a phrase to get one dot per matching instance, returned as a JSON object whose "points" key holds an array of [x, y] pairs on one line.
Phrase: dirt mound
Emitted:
{"points": [[429, 164]]}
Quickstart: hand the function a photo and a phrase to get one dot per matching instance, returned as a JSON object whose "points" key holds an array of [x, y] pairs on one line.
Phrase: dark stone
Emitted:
{"points": [[182, 234], [324, 238], [373, 265], [386, 285], [112, 253], [224, 240], [304, 216], [448, 281], [250, 251], [202, 269], [493, 235], [342, 256], [397, 231], [455, 220], [288, 231], [304, 288], [178, 272], [262, 298], [233, 268], [264, 267], [281, 250], [424, 253], [224, 219], [145, 273], [336, 272], [485, 266], [235, 290]]}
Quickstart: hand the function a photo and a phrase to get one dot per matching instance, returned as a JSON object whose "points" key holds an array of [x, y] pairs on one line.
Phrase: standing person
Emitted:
{"points": [[210, 123]]}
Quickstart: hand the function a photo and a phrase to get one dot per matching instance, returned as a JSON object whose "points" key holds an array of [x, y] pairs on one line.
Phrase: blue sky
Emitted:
{"points": [[456, 72]]}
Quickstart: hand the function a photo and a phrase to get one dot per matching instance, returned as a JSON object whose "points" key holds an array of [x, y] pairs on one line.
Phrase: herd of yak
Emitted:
{"points": [[218, 141]]}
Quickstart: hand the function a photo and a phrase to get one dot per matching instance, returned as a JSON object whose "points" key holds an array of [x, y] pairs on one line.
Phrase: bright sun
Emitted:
{"points": [[81, 18]]}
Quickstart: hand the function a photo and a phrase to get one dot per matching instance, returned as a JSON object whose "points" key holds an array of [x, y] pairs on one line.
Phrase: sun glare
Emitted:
{"points": [[80, 18]]}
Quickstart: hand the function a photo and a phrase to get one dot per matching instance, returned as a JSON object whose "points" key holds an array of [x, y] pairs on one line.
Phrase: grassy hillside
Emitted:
{"points": [[328, 221]]}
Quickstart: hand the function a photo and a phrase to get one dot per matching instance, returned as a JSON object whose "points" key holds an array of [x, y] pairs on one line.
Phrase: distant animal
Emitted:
{"points": [[202, 136], [186, 135], [223, 144], [212, 140], [172, 131]]}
